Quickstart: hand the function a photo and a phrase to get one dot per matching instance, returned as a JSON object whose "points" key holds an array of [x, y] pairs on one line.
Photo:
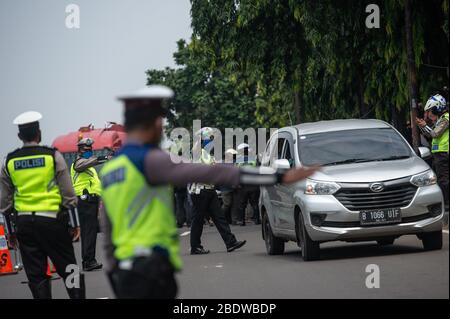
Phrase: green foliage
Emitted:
{"points": [[269, 63], [210, 95]]}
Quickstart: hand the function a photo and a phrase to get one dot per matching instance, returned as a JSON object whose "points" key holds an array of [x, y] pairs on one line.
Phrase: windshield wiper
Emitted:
{"points": [[365, 160], [349, 161], [393, 158]]}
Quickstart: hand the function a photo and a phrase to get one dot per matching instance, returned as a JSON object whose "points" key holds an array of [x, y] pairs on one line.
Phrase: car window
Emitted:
{"points": [[268, 154], [287, 152], [281, 142], [341, 147]]}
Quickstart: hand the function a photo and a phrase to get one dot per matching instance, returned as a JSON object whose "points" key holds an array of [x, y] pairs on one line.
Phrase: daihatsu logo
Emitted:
{"points": [[376, 187]]}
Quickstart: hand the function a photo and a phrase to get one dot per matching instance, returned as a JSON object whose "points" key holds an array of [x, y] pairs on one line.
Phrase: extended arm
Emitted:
{"points": [[160, 169], [440, 128]]}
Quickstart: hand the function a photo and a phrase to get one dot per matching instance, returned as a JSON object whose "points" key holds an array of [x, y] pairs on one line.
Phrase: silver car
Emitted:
{"points": [[372, 186]]}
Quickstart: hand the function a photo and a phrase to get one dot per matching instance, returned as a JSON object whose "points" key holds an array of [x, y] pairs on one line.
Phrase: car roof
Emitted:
{"points": [[339, 125]]}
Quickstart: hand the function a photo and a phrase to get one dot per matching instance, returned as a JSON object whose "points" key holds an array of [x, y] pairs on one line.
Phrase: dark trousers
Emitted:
{"points": [[440, 166], [149, 278], [42, 237], [207, 204], [88, 210], [227, 205], [243, 196], [181, 210]]}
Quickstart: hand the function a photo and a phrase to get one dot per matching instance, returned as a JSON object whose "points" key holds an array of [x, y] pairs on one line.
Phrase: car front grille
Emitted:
{"points": [[394, 196]]}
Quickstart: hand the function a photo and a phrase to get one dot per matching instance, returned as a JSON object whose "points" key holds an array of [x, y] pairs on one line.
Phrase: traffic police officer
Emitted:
{"points": [[39, 204], [206, 203], [142, 246], [437, 106], [88, 189]]}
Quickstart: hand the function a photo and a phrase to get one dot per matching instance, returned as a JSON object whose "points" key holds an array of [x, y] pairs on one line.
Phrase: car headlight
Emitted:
{"points": [[424, 179], [321, 188]]}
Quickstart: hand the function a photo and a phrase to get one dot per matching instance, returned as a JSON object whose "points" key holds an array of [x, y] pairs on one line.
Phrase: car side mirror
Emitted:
{"points": [[424, 152], [281, 164]]}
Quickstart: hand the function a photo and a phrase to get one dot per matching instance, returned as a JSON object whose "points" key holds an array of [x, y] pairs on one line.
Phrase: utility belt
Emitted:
{"points": [[197, 188], [149, 275], [68, 217], [141, 255], [53, 215]]}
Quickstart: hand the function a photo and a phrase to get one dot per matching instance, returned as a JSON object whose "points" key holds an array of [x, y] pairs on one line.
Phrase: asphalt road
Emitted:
{"points": [[406, 271]]}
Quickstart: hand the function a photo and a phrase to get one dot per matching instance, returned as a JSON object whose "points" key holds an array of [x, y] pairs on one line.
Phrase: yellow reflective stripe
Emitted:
{"points": [[137, 204], [143, 199], [51, 184]]}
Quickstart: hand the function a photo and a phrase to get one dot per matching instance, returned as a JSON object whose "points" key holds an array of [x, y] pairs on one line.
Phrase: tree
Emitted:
{"points": [[271, 63], [203, 93]]}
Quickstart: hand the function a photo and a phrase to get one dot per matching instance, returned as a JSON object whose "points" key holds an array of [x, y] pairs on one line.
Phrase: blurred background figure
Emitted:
{"points": [[227, 193], [182, 209], [246, 194]]}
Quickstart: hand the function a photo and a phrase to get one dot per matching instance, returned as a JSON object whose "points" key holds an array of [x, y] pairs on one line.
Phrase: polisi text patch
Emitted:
{"points": [[29, 163]]}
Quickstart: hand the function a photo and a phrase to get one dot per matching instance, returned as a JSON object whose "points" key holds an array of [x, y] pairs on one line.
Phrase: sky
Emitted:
{"points": [[73, 76]]}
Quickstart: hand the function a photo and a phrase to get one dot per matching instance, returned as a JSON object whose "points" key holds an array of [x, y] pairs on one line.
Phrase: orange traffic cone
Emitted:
{"points": [[50, 268], [6, 266]]}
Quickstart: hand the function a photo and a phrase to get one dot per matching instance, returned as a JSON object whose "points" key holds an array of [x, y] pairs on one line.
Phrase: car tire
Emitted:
{"points": [[432, 241], [385, 241], [274, 245], [310, 248]]}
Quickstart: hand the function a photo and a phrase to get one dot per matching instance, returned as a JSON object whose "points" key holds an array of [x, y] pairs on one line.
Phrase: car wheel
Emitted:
{"points": [[274, 245], [385, 241], [432, 241], [310, 248]]}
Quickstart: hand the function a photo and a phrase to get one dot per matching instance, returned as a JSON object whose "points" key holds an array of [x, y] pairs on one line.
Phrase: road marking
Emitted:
{"points": [[185, 233], [103, 298]]}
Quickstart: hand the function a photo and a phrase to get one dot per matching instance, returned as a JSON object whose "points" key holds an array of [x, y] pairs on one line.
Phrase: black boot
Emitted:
{"points": [[42, 290], [92, 265], [80, 292]]}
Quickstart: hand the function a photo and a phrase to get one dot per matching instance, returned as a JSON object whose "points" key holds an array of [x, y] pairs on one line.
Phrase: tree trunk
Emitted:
{"points": [[412, 74]]}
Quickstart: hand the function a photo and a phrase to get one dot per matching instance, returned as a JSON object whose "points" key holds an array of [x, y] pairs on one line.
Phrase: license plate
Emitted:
{"points": [[380, 216]]}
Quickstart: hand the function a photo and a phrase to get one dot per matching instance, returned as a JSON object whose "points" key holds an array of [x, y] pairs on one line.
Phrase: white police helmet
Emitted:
{"points": [[27, 118], [436, 102]]}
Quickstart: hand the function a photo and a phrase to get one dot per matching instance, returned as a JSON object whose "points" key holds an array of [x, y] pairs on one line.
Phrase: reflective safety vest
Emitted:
{"points": [[87, 179], [206, 159], [245, 161], [141, 215], [33, 173], [440, 144]]}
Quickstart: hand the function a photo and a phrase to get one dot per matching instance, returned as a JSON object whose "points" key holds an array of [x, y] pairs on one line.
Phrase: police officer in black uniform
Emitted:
{"points": [[36, 189]]}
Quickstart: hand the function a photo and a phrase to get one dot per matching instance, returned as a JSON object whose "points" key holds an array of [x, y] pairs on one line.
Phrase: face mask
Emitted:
{"points": [[87, 154], [205, 143]]}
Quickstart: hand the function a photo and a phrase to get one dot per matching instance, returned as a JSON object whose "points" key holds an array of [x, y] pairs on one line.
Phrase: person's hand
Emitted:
{"points": [[75, 233], [297, 174], [12, 241], [421, 122]]}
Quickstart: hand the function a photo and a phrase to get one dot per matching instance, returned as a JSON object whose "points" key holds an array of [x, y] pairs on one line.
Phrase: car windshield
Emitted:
{"points": [[352, 146]]}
